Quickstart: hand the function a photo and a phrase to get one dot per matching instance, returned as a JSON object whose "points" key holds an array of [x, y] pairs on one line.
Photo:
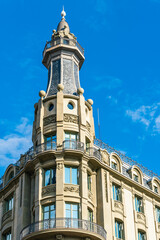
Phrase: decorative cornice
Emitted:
{"points": [[71, 118], [48, 189], [50, 119]]}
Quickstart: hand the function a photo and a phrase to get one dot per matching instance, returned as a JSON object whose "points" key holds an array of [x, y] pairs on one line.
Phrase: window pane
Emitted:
{"points": [[53, 176], [67, 174], [47, 177], [74, 175], [46, 215], [67, 136]]}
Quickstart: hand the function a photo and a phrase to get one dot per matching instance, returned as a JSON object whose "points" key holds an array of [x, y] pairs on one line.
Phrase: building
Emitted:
{"points": [[69, 185]]}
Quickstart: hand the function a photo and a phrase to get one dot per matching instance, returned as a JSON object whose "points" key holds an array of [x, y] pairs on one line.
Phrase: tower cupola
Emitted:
{"points": [[63, 57]]}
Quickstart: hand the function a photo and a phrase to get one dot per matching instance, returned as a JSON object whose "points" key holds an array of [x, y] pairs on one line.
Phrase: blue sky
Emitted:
{"points": [[121, 72]]}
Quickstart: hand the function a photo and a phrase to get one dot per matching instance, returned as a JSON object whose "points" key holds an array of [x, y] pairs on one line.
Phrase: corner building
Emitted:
{"points": [[70, 185]]}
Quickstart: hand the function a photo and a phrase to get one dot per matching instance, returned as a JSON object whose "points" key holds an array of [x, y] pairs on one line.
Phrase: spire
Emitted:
{"points": [[63, 24], [63, 13]]}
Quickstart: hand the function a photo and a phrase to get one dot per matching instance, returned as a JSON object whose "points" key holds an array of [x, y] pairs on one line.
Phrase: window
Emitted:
{"points": [[114, 165], [141, 235], [11, 175], [8, 236], [72, 214], [158, 214], [49, 177], [70, 140], [135, 177], [119, 232], [50, 142], [87, 143], [71, 175], [90, 215], [49, 215], [139, 204], [155, 188], [116, 192], [9, 204], [51, 106], [70, 106], [89, 180]]}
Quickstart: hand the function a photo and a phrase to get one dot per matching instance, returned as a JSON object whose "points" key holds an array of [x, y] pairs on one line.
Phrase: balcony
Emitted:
{"points": [[63, 41], [64, 226], [74, 145], [94, 152]]}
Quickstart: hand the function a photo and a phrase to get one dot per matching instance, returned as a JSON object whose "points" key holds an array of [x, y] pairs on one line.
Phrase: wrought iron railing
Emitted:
{"points": [[92, 151], [75, 145], [124, 158], [63, 223], [64, 41]]}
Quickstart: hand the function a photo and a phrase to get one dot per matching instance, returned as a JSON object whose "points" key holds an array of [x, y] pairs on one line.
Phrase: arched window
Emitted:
{"points": [[115, 162]]}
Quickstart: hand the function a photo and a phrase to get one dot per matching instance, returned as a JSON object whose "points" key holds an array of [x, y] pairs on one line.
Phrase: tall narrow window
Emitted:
{"points": [[8, 236], [9, 204], [119, 231], [89, 181], [49, 215], [158, 214], [114, 164], [141, 235], [117, 195], [90, 215], [72, 214], [139, 204], [50, 142], [49, 177], [71, 175]]}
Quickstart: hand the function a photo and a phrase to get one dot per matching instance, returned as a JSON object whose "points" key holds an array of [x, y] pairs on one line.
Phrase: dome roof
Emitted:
{"points": [[63, 25]]}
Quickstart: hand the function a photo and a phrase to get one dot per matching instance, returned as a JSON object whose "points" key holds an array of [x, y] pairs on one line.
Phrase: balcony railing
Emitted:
{"points": [[64, 41], [63, 223], [92, 151], [75, 145]]}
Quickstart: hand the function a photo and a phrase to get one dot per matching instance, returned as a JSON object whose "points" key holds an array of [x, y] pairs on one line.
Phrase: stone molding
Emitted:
{"points": [[50, 119], [88, 126], [48, 189], [7, 215], [71, 118]]}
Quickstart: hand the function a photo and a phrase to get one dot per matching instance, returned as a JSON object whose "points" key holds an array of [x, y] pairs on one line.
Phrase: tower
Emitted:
{"points": [[69, 185]]}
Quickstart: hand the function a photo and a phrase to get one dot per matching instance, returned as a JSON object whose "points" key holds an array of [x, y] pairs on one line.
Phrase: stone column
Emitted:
{"points": [[59, 187], [84, 190], [38, 190]]}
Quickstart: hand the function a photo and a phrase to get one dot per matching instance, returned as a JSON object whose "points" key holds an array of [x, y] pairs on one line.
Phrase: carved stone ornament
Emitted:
{"points": [[50, 119], [48, 189], [59, 237], [70, 118], [71, 189], [88, 126], [140, 216], [84, 169], [59, 166], [105, 157], [118, 205]]}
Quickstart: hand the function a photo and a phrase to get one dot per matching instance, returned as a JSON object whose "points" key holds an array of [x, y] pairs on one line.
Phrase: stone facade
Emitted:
{"points": [[67, 186]]}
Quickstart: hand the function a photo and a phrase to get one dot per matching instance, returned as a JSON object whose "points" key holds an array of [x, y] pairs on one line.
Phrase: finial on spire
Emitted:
{"points": [[63, 13]]}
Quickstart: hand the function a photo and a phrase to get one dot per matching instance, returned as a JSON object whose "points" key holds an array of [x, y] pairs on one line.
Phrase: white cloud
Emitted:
{"points": [[146, 115], [11, 146]]}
